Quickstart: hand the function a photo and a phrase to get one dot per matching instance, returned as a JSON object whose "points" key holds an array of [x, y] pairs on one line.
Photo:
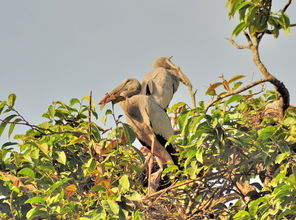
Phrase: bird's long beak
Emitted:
{"points": [[179, 72], [114, 96]]}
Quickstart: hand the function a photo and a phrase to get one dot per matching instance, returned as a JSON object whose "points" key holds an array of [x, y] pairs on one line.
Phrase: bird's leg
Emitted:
{"points": [[150, 164], [155, 177]]}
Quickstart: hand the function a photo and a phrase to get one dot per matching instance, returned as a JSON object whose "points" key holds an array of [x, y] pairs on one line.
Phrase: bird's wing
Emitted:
{"points": [[158, 119], [162, 86]]}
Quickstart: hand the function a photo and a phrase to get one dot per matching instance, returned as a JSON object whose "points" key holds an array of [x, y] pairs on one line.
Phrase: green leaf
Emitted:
{"points": [[199, 154], [176, 106], [2, 105], [45, 149], [27, 172], [36, 199], [11, 100], [51, 111], [5, 122], [62, 158], [104, 118], [130, 134], [170, 169], [282, 157], [242, 215], [124, 183], [239, 28], [286, 22], [134, 196], [266, 133], [12, 125], [74, 101], [235, 78], [57, 185], [234, 98], [110, 205], [98, 188], [35, 212]]}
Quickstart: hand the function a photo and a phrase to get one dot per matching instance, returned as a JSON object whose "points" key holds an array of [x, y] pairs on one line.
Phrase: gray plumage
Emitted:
{"points": [[146, 117], [163, 81]]}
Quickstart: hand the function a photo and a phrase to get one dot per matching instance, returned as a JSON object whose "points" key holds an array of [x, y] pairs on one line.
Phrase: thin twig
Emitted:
{"points": [[287, 5], [237, 45], [174, 187], [89, 115]]}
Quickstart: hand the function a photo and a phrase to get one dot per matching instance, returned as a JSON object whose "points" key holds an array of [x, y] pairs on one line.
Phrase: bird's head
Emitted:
{"points": [[165, 62], [126, 89]]}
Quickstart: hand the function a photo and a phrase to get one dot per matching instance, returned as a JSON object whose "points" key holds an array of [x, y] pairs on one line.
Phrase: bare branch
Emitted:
{"points": [[287, 5], [255, 83], [237, 45], [173, 187]]}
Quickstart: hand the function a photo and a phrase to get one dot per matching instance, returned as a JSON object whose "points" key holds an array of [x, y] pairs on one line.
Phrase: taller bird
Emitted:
{"points": [[163, 81], [148, 120]]}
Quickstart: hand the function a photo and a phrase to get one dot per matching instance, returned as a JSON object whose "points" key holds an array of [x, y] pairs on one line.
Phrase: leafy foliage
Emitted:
{"points": [[236, 155], [256, 16], [61, 169]]}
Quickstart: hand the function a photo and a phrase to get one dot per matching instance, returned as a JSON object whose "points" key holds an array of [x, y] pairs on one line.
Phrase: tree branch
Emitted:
{"points": [[255, 83], [287, 5]]}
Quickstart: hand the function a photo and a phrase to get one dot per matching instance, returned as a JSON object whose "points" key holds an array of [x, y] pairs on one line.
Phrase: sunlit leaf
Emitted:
{"points": [[74, 101], [211, 90], [124, 183], [27, 172], [282, 157], [5, 122], [57, 185], [12, 125], [2, 105], [111, 205], [11, 100], [199, 154], [238, 29], [242, 215], [36, 199], [234, 98], [235, 78], [36, 212], [62, 158]]}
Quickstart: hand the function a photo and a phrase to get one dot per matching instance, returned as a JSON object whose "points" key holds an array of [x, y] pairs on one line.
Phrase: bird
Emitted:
{"points": [[150, 123], [163, 81]]}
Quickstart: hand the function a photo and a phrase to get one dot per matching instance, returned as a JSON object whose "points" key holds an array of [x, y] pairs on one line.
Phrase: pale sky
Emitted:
{"points": [[56, 50]]}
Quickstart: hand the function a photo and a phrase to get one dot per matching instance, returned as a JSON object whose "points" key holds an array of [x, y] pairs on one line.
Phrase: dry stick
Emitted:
{"points": [[89, 115], [10, 204], [173, 187], [255, 83]]}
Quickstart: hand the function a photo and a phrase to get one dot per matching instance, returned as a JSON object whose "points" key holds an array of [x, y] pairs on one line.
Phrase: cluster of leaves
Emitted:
{"points": [[256, 17], [225, 153], [65, 169], [68, 167]]}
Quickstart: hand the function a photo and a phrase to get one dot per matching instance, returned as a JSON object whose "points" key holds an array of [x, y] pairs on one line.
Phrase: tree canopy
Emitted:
{"points": [[236, 152]]}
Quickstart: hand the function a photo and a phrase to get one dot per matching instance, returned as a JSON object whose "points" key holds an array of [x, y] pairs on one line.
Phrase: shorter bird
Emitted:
{"points": [[150, 123], [163, 81]]}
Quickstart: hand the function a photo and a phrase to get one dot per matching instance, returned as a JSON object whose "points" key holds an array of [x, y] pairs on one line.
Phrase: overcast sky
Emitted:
{"points": [[56, 50]]}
